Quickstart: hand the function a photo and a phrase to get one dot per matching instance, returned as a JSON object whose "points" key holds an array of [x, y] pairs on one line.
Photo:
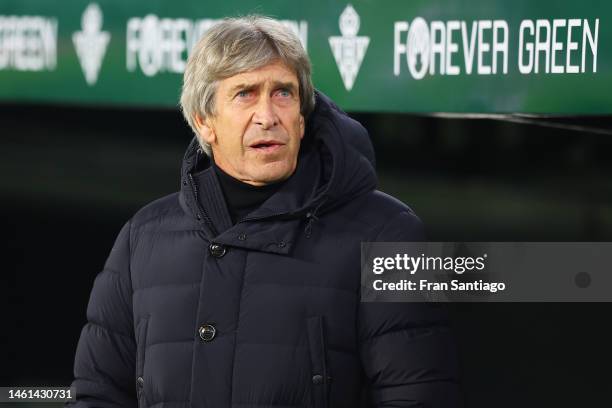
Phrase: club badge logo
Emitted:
{"points": [[90, 43], [349, 49], [418, 48]]}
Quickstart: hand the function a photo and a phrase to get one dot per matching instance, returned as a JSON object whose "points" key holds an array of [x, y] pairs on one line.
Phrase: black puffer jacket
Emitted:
{"points": [[192, 311]]}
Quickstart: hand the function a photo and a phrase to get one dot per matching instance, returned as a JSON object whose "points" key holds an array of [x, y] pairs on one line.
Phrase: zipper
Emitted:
{"points": [[205, 218], [308, 211], [311, 216], [261, 217]]}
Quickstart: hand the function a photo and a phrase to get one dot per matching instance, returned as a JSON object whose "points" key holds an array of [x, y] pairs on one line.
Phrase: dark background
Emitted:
{"points": [[71, 176]]}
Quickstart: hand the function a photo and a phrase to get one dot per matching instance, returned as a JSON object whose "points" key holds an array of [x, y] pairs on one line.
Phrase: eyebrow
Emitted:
{"points": [[276, 84]]}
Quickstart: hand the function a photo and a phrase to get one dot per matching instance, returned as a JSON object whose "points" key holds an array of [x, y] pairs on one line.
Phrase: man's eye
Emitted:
{"points": [[243, 94], [285, 93]]}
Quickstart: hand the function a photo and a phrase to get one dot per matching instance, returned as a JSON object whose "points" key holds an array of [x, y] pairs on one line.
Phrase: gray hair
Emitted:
{"points": [[234, 46]]}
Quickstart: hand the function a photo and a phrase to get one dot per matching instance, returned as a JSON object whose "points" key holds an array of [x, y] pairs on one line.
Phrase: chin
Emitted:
{"points": [[273, 178], [274, 174]]}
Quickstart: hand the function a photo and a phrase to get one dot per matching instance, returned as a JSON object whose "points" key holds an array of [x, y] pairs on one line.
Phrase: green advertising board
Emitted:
{"points": [[480, 56]]}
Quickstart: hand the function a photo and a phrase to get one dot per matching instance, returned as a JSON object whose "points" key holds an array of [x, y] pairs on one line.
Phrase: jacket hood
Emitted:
{"points": [[336, 163]]}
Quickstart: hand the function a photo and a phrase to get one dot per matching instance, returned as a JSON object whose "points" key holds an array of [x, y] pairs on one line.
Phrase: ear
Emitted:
{"points": [[302, 126], [205, 131]]}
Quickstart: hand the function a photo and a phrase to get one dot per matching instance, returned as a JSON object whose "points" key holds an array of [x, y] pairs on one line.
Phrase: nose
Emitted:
{"points": [[264, 115]]}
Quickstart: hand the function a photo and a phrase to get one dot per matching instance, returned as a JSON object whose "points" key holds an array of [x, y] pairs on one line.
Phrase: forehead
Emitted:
{"points": [[273, 72]]}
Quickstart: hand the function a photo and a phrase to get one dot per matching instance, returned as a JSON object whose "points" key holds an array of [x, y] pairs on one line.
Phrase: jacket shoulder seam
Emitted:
{"points": [[151, 207], [389, 222]]}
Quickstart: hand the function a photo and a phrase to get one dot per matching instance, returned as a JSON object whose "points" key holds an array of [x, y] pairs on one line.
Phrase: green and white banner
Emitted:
{"points": [[478, 56]]}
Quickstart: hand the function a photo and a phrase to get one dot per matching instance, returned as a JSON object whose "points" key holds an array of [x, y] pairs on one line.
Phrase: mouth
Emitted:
{"points": [[266, 146]]}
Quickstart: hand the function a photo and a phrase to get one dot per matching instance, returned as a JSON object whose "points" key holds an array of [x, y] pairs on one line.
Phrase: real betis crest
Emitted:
{"points": [[91, 43], [349, 49]]}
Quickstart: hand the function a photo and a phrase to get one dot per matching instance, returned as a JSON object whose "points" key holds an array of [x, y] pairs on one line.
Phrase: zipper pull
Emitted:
{"points": [[311, 217]]}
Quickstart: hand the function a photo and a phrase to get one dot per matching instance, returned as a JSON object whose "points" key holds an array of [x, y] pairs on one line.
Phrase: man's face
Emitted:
{"points": [[256, 131]]}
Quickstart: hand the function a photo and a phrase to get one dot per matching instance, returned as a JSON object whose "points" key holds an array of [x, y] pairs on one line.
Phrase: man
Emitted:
{"points": [[242, 289]]}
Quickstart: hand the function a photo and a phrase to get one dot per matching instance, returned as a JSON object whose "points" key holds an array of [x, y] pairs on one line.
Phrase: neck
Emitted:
{"points": [[241, 197]]}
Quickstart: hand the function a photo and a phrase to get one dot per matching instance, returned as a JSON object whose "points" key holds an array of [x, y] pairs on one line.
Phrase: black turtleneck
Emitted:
{"points": [[242, 198]]}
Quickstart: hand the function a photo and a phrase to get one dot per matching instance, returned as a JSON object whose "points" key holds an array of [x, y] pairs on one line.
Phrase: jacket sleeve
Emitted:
{"points": [[407, 349], [104, 367]]}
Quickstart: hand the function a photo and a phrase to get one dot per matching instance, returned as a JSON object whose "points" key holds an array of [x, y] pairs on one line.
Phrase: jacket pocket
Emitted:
{"points": [[321, 377], [141, 346]]}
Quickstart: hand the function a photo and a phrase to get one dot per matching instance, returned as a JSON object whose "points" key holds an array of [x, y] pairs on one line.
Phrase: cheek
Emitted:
{"points": [[301, 127], [295, 127], [231, 142]]}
